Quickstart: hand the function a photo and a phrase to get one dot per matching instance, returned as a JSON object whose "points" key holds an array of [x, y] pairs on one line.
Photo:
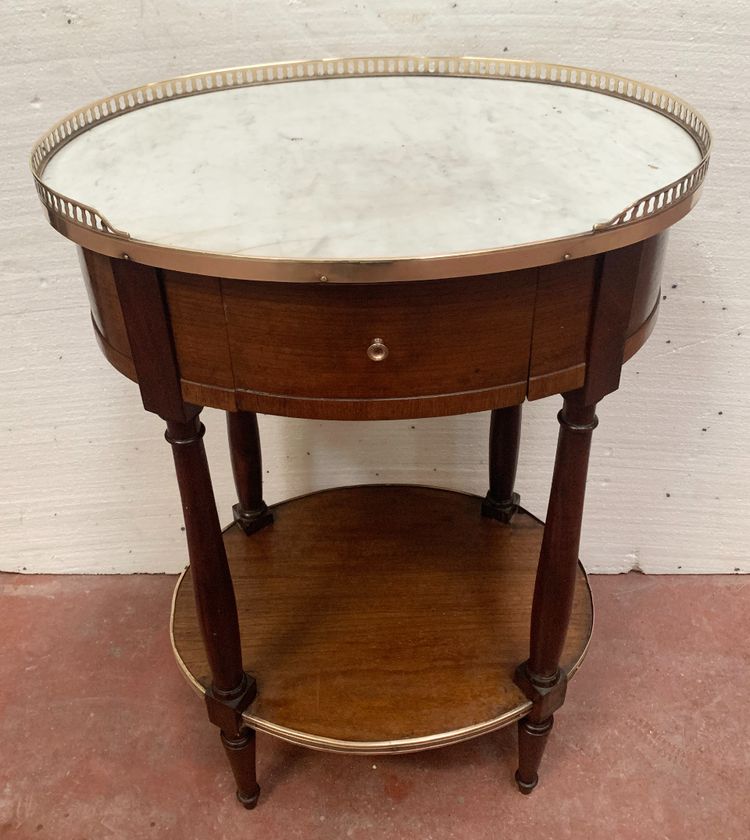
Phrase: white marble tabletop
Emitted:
{"points": [[371, 168]]}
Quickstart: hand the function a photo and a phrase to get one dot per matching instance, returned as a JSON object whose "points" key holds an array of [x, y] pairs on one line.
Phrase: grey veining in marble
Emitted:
{"points": [[371, 168]]}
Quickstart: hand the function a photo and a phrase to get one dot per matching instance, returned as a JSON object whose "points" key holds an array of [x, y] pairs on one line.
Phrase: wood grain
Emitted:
{"points": [[556, 577], [199, 328], [120, 362], [443, 337], [215, 608], [106, 312], [616, 281], [561, 327], [141, 295], [382, 614], [456, 346], [646, 295], [440, 405]]}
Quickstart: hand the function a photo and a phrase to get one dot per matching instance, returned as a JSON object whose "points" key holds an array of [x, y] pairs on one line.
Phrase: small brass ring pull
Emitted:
{"points": [[377, 351]]}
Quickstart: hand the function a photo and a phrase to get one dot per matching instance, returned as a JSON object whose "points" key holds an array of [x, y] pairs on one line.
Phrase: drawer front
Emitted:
{"points": [[375, 342]]}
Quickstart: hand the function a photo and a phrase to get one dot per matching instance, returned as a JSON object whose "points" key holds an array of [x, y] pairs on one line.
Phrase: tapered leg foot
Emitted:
{"points": [[532, 739], [241, 754], [526, 787], [246, 801]]}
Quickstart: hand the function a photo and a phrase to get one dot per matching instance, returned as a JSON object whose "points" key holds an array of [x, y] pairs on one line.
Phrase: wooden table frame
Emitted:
{"points": [[138, 308]]}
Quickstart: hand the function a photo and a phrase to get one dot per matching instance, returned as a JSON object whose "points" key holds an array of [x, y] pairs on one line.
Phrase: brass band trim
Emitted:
{"points": [[644, 217]]}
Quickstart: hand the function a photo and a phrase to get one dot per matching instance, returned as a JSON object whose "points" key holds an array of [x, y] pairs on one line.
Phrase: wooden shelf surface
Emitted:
{"points": [[382, 618]]}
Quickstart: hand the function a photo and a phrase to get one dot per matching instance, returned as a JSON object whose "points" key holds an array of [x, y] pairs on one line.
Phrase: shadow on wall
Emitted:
{"points": [[452, 452], [434, 451]]}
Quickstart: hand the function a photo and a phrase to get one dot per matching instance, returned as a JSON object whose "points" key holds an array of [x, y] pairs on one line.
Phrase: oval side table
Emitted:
{"points": [[398, 237]]}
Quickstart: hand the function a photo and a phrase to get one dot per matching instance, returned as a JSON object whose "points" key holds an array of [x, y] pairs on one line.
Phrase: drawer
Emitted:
{"points": [[380, 342]]}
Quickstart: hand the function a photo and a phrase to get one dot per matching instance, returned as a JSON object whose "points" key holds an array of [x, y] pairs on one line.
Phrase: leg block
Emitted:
{"points": [[503, 511], [252, 520]]}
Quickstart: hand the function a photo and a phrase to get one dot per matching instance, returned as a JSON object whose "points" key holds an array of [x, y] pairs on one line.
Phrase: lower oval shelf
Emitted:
{"points": [[382, 618]]}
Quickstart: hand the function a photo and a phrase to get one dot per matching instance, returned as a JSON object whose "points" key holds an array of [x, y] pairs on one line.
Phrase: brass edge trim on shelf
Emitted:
{"points": [[573, 670], [336, 745], [86, 226], [185, 672], [405, 745]]}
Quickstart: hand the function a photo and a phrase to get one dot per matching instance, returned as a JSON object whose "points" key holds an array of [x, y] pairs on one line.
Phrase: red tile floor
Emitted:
{"points": [[101, 738]]}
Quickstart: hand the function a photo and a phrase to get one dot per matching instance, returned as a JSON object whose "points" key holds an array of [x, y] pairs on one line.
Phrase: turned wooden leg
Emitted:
{"points": [[231, 690], [532, 739], [241, 754], [505, 437], [540, 677], [251, 513]]}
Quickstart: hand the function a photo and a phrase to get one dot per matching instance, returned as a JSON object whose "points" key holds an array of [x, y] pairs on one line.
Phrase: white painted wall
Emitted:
{"points": [[86, 482]]}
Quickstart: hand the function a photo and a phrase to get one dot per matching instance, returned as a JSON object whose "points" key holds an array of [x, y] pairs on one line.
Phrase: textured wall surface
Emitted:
{"points": [[86, 482]]}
